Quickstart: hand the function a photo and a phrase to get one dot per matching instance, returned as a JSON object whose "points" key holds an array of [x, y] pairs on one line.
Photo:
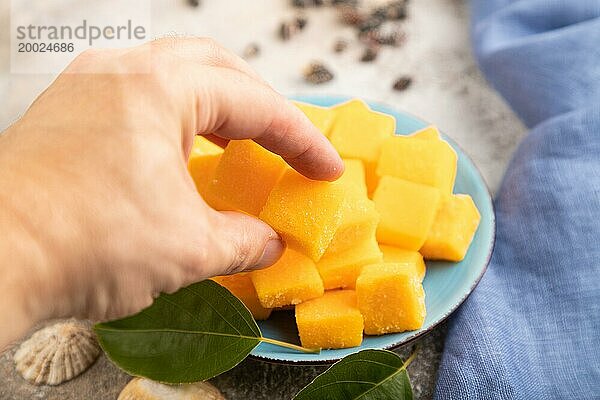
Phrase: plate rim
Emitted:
{"points": [[328, 361]]}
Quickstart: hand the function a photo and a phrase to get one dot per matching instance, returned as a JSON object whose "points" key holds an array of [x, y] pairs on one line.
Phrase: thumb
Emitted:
{"points": [[242, 242]]}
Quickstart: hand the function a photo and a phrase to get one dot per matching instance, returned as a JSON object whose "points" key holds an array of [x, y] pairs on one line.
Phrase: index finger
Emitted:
{"points": [[204, 51], [243, 108]]}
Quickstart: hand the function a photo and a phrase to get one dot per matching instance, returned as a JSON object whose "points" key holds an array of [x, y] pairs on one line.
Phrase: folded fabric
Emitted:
{"points": [[531, 329]]}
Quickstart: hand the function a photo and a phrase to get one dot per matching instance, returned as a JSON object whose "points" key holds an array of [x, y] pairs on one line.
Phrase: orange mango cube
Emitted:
{"points": [[407, 212], [291, 280], [428, 133], [429, 162], [240, 285], [453, 229], [390, 298], [359, 132], [359, 222], [202, 162], [354, 174], [340, 270], [245, 176], [332, 321], [321, 117], [410, 258], [306, 213], [359, 217]]}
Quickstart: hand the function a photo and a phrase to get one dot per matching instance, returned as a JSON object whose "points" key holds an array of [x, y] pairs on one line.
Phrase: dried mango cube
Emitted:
{"points": [[306, 213], [359, 217], [203, 160], [359, 222], [354, 174], [359, 132], [390, 298], [240, 285], [428, 133], [245, 176], [340, 270], [331, 321], [291, 280], [429, 162], [410, 258], [321, 117], [453, 229], [407, 212]]}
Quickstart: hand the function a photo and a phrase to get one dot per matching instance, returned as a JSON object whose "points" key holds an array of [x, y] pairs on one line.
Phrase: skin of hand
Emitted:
{"points": [[98, 214]]}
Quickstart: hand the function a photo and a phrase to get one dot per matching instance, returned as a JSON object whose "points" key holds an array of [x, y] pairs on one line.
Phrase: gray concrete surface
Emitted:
{"points": [[250, 380], [448, 90]]}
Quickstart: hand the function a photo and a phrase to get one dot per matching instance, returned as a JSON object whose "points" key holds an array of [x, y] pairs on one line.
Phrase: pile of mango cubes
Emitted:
{"points": [[355, 247]]}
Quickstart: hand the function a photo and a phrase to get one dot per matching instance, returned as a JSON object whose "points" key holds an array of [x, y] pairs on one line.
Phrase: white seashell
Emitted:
{"points": [[57, 353], [145, 389]]}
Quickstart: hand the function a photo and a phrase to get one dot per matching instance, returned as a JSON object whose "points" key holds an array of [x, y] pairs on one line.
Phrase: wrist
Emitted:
{"points": [[21, 303], [24, 263], [16, 314]]}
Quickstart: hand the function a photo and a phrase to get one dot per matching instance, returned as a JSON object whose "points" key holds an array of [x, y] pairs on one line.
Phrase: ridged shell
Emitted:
{"points": [[145, 389], [57, 353]]}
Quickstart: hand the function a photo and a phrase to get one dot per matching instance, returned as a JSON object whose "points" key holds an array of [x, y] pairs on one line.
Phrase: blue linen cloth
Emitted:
{"points": [[531, 329]]}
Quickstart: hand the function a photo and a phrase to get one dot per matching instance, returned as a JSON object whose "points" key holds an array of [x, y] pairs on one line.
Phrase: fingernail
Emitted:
{"points": [[273, 250]]}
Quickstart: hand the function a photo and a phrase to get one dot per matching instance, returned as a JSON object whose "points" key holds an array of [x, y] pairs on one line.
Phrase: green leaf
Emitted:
{"points": [[366, 375], [192, 335]]}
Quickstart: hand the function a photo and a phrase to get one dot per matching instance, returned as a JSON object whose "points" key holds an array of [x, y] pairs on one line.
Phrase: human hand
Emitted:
{"points": [[99, 210]]}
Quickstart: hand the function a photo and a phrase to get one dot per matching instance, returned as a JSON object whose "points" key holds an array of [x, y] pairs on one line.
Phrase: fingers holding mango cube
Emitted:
{"points": [[353, 264]]}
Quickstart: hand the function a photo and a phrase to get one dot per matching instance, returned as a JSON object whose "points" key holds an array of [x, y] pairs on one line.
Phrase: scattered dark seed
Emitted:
{"points": [[194, 3], [287, 30], [307, 3], [402, 83], [316, 73], [301, 22], [376, 36], [251, 51], [351, 15], [396, 10], [395, 39], [370, 37], [300, 3], [370, 54], [340, 45], [380, 12], [393, 11], [352, 3], [370, 24]]}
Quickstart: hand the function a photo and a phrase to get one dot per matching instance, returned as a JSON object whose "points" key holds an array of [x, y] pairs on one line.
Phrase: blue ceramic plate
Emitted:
{"points": [[446, 285]]}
